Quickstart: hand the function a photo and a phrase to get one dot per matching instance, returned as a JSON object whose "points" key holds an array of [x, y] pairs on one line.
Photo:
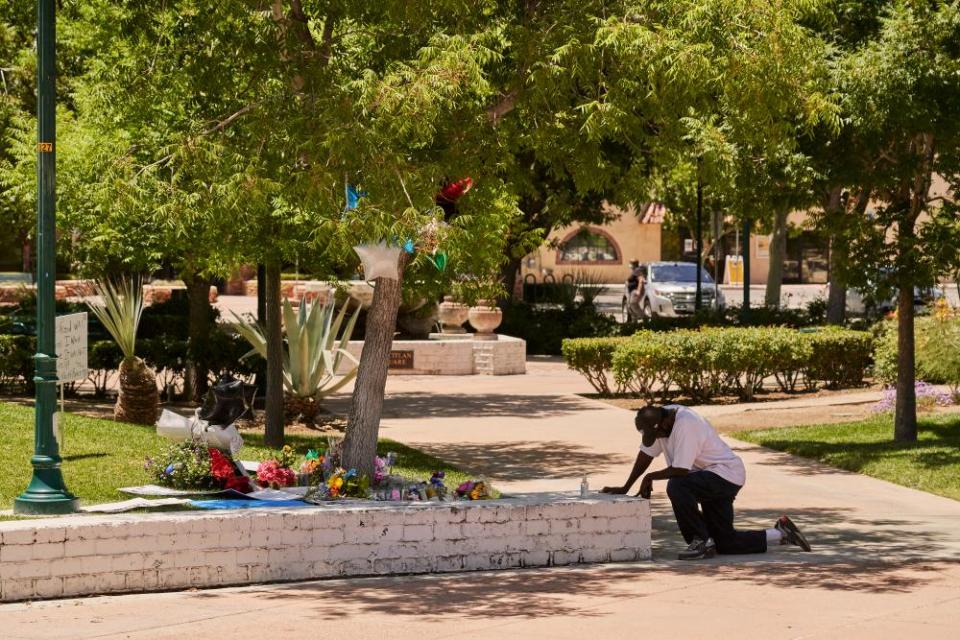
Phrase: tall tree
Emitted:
{"points": [[902, 92]]}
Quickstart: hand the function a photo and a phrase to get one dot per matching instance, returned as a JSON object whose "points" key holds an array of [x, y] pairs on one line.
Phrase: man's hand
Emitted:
{"points": [[646, 487], [619, 491]]}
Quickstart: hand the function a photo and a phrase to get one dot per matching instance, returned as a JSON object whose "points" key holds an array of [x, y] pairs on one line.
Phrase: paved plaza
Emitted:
{"points": [[886, 559]]}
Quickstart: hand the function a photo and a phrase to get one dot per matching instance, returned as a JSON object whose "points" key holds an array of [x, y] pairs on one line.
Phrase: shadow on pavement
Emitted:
{"points": [[837, 536], [482, 405], [524, 460], [542, 593]]}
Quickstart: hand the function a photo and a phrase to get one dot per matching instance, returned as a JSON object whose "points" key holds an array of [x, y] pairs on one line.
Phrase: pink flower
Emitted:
{"points": [[270, 473]]}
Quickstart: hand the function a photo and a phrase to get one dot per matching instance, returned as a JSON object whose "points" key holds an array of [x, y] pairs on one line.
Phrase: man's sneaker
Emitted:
{"points": [[699, 549], [791, 534]]}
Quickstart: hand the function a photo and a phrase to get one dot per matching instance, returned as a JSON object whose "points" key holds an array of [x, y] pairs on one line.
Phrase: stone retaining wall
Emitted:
{"points": [[457, 356], [85, 555]]}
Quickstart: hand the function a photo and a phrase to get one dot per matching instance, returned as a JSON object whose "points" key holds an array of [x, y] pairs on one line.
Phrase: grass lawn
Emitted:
{"points": [[102, 455], [930, 464]]}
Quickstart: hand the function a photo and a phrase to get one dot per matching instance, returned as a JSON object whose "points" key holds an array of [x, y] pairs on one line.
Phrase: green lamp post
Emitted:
{"points": [[47, 492]]}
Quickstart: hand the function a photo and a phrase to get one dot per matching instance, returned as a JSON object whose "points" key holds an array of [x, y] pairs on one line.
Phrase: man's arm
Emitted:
{"points": [[639, 466], [646, 485]]}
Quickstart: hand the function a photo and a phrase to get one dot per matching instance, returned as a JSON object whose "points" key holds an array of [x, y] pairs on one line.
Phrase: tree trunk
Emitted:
{"points": [[198, 331], [834, 210], [273, 331], [138, 398], [26, 262], [778, 250], [509, 273], [366, 406], [905, 423]]}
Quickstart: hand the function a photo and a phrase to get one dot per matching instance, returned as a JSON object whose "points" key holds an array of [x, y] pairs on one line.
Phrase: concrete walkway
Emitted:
{"points": [[886, 561]]}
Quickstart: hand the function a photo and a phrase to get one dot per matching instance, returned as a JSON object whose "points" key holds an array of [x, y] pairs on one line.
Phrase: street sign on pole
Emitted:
{"points": [[47, 493]]}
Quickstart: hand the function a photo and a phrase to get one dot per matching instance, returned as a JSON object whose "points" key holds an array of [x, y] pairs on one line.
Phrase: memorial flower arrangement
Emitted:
{"points": [[344, 484], [271, 474], [473, 490], [193, 465], [185, 465], [278, 472]]}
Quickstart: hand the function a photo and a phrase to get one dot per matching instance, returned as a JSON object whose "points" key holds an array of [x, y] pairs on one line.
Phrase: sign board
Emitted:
{"points": [[71, 345], [688, 246], [401, 359]]}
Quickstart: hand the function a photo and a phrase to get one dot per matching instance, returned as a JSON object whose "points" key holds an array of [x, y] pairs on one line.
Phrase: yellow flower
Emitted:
{"points": [[337, 482]]}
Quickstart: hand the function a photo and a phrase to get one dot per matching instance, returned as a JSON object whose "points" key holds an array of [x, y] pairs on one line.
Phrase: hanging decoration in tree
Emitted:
{"points": [[379, 260], [409, 246], [439, 260], [449, 194], [353, 195]]}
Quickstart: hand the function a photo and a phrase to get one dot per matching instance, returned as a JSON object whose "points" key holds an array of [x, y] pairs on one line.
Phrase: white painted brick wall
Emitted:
{"points": [[85, 555]]}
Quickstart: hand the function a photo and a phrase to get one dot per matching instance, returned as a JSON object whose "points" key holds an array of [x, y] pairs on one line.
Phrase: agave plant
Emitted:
{"points": [[119, 308], [316, 346]]}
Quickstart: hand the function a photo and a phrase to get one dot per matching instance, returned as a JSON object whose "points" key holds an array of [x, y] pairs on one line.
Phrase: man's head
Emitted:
{"points": [[653, 422], [634, 264]]}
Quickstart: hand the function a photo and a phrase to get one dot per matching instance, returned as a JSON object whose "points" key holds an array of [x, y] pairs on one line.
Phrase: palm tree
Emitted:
{"points": [[119, 309]]}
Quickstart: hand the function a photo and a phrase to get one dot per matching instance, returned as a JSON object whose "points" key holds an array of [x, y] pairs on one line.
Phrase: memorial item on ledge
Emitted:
{"points": [[213, 423], [271, 474], [436, 489], [379, 260], [278, 472], [194, 465], [473, 490]]}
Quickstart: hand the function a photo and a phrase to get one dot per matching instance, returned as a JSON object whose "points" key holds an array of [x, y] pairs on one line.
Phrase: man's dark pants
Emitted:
{"points": [[703, 504]]}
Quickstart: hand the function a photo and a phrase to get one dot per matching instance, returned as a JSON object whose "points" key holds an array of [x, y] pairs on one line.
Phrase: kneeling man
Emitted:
{"points": [[703, 478]]}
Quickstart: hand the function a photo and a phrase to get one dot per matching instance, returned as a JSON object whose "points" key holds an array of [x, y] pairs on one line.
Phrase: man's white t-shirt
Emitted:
{"points": [[694, 444]]}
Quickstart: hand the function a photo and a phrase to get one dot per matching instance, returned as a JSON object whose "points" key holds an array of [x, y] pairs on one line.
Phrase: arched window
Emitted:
{"points": [[589, 245]]}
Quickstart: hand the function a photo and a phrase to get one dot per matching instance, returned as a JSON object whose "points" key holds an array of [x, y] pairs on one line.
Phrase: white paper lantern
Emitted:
{"points": [[379, 260]]}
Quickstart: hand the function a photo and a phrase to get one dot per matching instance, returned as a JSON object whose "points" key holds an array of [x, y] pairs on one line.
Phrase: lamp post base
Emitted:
{"points": [[42, 498]]}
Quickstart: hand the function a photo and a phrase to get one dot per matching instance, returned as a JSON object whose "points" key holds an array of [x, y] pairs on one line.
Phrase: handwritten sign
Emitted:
{"points": [[72, 347], [401, 359]]}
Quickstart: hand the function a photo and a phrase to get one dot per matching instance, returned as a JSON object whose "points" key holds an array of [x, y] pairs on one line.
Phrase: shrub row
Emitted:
{"points": [[937, 340], [711, 362]]}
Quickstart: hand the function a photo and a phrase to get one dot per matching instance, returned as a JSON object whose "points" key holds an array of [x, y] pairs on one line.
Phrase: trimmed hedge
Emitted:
{"points": [[721, 361], [593, 359]]}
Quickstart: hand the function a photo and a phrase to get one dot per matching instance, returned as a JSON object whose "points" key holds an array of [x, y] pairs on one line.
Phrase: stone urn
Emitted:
{"points": [[485, 318], [453, 315]]}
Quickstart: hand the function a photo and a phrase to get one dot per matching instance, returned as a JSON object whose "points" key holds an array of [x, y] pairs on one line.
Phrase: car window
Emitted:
{"points": [[683, 272]]}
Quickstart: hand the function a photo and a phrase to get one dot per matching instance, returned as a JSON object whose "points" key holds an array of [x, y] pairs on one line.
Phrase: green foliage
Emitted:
{"points": [[711, 362], [316, 345], [119, 309], [931, 464], [841, 357], [937, 359], [185, 465], [592, 358], [544, 329], [16, 361]]}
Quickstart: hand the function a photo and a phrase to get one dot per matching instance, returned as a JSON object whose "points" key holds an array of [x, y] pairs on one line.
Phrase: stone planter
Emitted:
{"points": [[485, 318], [453, 315]]}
